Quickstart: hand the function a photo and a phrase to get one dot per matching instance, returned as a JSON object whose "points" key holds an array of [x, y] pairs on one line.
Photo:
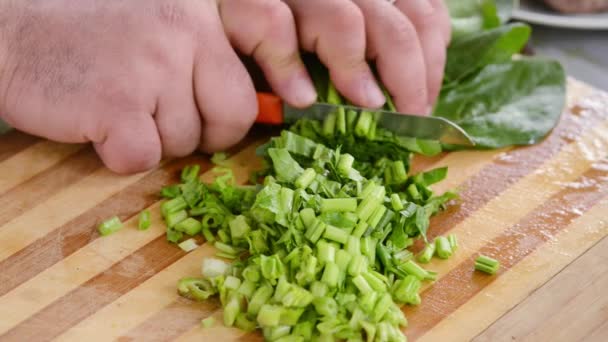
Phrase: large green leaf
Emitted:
{"points": [[472, 52], [513, 103]]}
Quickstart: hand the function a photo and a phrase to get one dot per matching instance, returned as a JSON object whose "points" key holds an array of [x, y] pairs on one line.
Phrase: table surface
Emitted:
{"points": [[541, 210]]}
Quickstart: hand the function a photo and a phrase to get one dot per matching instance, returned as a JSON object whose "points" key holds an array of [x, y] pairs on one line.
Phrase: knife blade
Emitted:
{"points": [[272, 110]]}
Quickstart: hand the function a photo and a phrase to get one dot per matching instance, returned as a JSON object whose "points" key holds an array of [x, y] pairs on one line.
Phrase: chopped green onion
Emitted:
{"points": [[331, 274], [396, 202], [427, 253], [231, 310], [190, 173], [269, 315], [261, 296], [325, 306], [222, 247], [453, 242], [336, 234], [326, 252], [110, 226], [170, 191], [195, 288], [239, 227], [243, 323], [362, 284], [414, 269], [290, 316], [174, 218], [486, 264], [305, 179], [208, 234], [144, 220], [174, 205], [189, 226], [314, 231], [188, 245], [443, 247], [357, 265], [319, 289], [208, 322], [338, 204]]}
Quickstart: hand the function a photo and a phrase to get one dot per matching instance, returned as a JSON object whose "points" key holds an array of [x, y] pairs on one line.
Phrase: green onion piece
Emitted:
{"points": [[453, 242], [370, 330], [297, 297], [109, 226], [173, 235], [360, 229], [345, 164], [243, 323], [331, 274], [190, 173], [212, 268], [325, 306], [223, 236], [403, 256], [486, 264], [173, 206], [414, 269], [367, 207], [353, 245], [413, 191], [382, 307], [195, 288], [145, 220], [398, 171], [319, 289], [269, 315], [189, 226], [314, 231], [174, 218], [374, 220], [208, 322], [305, 179], [343, 259], [357, 265], [208, 234], [362, 284], [427, 253], [226, 255], [222, 247], [252, 273], [277, 332], [231, 310], [336, 234], [307, 216], [232, 283], [290, 316], [329, 124], [247, 288], [338, 204], [304, 329], [364, 124], [170, 191], [374, 282], [188, 245], [396, 202], [239, 227], [407, 290], [368, 248], [326, 252], [261, 296], [443, 247], [368, 301]]}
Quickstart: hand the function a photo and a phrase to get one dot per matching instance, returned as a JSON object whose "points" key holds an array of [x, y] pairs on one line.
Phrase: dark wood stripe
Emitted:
{"points": [[96, 293], [188, 314], [540, 226], [509, 168], [14, 142], [487, 185], [39, 188], [78, 232]]}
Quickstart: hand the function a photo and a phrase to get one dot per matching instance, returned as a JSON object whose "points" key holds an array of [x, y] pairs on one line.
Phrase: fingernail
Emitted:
{"points": [[375, 97], [303, 91]]}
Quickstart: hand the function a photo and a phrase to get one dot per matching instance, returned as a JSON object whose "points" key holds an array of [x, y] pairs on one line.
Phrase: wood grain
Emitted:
{"points": [[537, 209]]}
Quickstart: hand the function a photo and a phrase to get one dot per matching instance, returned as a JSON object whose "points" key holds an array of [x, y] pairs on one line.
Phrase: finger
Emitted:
{"points": [[131, 144], [178, 119], [445, 22], [427, 23], [224, 91], [265, 29], [335, 30], [394, 44]]}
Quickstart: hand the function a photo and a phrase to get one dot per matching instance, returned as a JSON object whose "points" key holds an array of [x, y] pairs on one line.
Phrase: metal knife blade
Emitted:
{"points": [[422, 127]]}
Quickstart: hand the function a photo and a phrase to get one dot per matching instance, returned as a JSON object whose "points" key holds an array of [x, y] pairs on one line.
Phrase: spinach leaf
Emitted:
{"points": [[472, 52], [513, 103], [472, 16]]}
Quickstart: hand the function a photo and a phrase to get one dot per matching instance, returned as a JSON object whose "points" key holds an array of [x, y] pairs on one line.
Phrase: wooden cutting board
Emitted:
{"points": [[540, 210]]}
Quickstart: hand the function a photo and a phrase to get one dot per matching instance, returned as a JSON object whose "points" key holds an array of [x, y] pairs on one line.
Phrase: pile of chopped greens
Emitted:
{"points": [[319, 247], [319, 250]]}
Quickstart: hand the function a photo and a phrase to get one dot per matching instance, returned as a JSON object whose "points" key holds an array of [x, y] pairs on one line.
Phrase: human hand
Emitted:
{"points": [[143, 78]]}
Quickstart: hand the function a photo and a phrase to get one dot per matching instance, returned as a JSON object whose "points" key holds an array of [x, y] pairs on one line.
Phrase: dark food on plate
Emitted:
{"points": [[578, 6]]}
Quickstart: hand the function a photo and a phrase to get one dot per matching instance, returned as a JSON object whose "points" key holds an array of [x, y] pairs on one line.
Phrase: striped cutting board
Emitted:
{"points": [[541, 210]]}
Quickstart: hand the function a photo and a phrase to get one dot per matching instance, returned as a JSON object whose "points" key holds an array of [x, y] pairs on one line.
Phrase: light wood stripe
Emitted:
{"points": [[43, 253], [105, 252], [29, 162], [459, 167], [14, 142], [37, 189], [569, 307], [517, 283], [53, 247]]}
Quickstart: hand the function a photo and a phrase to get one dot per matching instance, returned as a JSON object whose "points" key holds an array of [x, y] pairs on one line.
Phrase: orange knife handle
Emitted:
{"points": [[270, 109]]}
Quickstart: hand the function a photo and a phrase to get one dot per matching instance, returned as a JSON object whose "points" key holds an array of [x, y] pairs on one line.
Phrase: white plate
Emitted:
{"points": [[535, 13]]}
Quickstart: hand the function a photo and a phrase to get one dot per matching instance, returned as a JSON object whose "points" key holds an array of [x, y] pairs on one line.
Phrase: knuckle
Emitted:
{"points": [[277, 13], [346, 16], [400, 32]]}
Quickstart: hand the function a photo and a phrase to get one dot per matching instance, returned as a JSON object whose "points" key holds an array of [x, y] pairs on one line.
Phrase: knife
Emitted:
{"points": [[273, 111]]}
